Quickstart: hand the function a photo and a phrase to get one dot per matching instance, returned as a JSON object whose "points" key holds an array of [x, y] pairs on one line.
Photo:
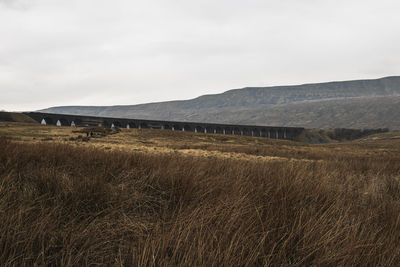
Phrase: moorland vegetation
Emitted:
{"points": [[72, 203]]}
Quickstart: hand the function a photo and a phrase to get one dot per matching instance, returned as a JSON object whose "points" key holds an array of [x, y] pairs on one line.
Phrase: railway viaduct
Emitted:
{"points": [[289, 133]]}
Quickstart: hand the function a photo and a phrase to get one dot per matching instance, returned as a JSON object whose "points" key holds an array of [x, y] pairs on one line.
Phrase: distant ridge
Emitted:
{"points": [[346, 104]]}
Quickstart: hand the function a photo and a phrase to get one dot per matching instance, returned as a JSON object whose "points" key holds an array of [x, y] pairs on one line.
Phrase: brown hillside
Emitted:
{"points": [[163, 198]]}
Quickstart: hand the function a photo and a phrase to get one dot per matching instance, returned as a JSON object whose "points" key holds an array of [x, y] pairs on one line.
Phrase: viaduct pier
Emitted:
{"points": [[289, 133]]}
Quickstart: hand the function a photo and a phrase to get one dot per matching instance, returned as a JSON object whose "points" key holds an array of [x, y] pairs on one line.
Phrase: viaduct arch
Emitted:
{"points": [[289, 133]]}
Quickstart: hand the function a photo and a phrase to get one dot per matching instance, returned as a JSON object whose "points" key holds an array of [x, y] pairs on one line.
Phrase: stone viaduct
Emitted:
{"points": [[289, 133]]}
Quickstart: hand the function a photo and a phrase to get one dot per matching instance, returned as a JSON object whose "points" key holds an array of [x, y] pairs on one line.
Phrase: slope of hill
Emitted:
{"points": [[15, 117], [350, 104]]}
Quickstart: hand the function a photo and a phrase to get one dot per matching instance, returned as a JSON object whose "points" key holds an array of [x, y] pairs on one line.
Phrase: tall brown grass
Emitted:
{"points": [[69, 206]]}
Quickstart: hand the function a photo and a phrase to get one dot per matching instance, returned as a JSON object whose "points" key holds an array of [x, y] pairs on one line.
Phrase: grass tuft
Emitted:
{"points": [[69, 205]]}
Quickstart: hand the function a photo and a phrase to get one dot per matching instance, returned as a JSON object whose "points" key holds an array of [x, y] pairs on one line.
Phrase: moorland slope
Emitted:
{"points": [[162, 198]]}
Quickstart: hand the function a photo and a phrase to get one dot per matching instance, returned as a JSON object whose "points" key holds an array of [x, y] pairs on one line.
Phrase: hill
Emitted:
{"points": [[347, 104], [15, 117]]}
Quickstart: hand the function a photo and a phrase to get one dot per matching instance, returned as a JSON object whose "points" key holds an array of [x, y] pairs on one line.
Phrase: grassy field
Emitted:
{"points": [[162, 198]]}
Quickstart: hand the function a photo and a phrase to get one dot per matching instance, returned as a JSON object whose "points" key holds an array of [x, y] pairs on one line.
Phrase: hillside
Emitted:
{"points": [[348, 104], [15, 117], [144, 197]]}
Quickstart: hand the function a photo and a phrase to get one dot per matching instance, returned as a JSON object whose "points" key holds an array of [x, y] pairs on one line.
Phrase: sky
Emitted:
{"points": [[123, 52]]}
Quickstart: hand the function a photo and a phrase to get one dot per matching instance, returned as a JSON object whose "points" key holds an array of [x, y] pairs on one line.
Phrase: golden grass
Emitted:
{"points": [[162, 198]]}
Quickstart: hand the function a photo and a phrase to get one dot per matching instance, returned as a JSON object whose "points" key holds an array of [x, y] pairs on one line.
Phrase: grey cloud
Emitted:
{"points": [[20, 5], [127, 52]]}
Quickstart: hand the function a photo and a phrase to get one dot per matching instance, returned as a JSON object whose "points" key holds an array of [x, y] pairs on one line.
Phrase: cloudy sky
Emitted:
{"points": [[98, 52]]}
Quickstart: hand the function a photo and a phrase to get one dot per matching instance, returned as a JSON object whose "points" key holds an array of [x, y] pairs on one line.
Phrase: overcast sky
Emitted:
{"points": [[98, 52]]}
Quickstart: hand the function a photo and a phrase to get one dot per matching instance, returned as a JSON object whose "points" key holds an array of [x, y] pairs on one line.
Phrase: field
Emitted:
{"points": [[163, 198]]}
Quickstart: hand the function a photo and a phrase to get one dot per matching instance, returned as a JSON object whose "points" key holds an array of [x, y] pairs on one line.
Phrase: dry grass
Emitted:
{"points": [[73, 203]]}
